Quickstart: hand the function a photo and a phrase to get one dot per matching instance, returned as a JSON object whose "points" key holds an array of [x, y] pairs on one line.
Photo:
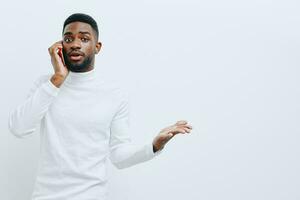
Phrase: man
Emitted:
{"points": [[83, 120]]}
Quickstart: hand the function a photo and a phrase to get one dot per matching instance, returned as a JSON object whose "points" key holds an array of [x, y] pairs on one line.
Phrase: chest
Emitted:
{"points": [[88, 111]]}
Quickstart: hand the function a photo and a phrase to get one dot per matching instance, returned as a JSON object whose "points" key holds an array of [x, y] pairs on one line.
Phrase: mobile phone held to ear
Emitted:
{"points": [[60, 53]]}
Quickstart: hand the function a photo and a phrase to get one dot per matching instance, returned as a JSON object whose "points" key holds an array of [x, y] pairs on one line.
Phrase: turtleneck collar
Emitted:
{"points": [[75, 77]]}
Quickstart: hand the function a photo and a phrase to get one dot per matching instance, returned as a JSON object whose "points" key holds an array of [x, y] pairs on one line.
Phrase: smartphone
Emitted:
{"points": [[60, 53]]}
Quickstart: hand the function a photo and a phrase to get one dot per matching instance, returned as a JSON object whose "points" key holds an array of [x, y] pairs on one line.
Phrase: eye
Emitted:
{"points": [[68, 39], [85, 39]]}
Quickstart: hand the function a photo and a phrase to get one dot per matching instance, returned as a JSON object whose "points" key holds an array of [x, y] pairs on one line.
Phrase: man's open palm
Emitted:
{"points": [[169, 132]]}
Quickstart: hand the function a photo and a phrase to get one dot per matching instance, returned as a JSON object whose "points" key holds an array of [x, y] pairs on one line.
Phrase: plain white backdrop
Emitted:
{"points": [[231, 68]]}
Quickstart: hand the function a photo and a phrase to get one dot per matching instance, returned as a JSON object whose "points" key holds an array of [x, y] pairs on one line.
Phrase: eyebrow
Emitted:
{"points": [[81, 32]]}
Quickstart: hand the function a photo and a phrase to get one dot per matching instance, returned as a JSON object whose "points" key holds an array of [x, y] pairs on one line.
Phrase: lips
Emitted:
{"points": [[76, 56]]}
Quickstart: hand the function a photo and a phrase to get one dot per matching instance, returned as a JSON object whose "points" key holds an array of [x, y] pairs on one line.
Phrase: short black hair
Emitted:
{"points": [[81, 17]]}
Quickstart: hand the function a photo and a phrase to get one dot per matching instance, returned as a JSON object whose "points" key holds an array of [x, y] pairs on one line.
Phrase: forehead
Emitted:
{"points": [[76, 27]]}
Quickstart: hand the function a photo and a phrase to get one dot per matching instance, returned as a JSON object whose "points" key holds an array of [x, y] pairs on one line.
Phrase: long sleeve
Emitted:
{"points": [[24, 119], [123, 152]]}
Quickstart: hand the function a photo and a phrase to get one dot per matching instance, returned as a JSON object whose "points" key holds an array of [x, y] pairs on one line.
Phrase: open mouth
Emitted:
{"points": [[75, 56]]}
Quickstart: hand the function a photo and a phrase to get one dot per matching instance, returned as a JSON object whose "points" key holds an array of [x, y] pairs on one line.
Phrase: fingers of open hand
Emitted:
{"points": [[185, 128], [181, 122], [181, 128]]}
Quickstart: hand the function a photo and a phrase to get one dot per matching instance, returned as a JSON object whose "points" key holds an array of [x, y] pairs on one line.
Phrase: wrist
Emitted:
{"points": [[57, 79], [155, 148]]}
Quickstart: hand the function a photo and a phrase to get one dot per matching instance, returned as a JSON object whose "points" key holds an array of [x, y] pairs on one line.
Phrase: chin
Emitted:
{"points": [[79, 67]]}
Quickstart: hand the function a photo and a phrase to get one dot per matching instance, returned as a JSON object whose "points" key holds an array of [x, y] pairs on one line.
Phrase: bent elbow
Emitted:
{"points": [[118, 161], [17, 131]]}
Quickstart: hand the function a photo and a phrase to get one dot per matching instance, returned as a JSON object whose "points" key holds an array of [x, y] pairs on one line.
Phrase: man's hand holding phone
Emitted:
{"points": [[57, 60]]}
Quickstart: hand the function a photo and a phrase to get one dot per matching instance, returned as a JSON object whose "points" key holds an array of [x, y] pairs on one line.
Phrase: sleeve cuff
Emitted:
{"points": [[151, 153], [50, 88]]}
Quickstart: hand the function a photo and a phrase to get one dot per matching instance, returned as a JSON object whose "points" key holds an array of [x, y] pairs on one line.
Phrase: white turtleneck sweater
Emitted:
{"points": [[82, 123]]}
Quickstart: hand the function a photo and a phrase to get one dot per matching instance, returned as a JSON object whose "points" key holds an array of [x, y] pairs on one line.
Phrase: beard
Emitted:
{"points": [[80, 67]]}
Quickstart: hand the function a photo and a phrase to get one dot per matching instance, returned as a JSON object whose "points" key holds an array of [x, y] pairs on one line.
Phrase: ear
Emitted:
{"points": [[98, 47]]}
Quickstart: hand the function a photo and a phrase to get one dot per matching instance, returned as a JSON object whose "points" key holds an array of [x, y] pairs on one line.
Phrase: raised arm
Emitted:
{"points": [[24, 119]]}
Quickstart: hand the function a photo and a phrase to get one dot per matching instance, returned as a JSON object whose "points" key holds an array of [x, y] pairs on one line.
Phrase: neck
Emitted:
{"points": [[80, 77]]}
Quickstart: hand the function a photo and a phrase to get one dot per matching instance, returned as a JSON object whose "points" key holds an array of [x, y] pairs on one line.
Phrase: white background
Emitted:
{"points": [[231, 68]]}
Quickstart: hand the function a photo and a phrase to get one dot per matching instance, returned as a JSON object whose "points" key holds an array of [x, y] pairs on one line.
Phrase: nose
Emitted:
{"points": [[76, 44]]}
